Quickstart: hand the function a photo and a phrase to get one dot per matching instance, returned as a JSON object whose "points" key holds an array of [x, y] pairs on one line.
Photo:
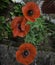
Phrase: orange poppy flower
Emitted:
{"points": [[26, 53], [31, 11], [18, 28]]}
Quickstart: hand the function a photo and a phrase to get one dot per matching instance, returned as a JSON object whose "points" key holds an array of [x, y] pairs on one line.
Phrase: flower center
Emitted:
{"points": [[19, 27], [30, 12], [25, 53]]}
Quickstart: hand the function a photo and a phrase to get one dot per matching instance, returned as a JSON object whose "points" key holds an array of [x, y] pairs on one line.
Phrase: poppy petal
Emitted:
{"points": [[27, 28], [19, 27], [15, 32], [23, 24], [15, 21], [20, 34]]}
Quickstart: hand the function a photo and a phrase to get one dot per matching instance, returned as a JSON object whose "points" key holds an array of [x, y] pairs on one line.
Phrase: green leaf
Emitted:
{"points": [[37, 31]]}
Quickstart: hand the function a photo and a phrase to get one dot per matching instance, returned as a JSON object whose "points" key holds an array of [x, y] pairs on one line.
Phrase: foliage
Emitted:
{"points": [[5, 31], [3, 4], [51, 32], [50, 27], [16, 11], [37, 32]]}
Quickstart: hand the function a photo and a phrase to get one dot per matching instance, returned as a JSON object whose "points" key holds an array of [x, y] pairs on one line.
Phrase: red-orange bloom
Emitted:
{"points": [[19, 27], [26, 53], [31, 11]]}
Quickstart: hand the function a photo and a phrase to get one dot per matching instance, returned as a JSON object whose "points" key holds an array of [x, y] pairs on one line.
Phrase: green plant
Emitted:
{"points": [[17, 10], [51, 32], [3, 5], [5, 31], [37, 32]]}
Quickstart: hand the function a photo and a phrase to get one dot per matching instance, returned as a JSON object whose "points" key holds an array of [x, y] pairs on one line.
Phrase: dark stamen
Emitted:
{"points": [[30, 12], [25, 53], [19, 27]]}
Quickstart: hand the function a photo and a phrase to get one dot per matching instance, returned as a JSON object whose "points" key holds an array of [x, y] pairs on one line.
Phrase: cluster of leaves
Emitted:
{"points": [[5, 31], [40, 30], [15, 8], [50, 27], [51, 32], [37, 32], [3, 4], [16, 11]]}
